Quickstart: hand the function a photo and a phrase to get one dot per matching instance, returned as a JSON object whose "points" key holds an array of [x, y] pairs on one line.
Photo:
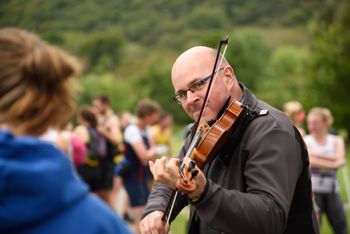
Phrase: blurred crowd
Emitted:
{"points": [[110, 152]]}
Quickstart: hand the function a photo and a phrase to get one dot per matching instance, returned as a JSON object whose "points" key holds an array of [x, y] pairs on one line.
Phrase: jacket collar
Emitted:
{"points": [[248, 98]]}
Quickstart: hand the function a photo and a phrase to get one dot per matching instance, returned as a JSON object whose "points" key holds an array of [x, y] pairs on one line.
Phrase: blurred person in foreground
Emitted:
{"points": [[40, 193], [327, 154], [259, 180], [296, 112]]}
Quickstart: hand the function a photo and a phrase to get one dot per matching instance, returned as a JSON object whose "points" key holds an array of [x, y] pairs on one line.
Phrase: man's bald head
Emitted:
{"points": [[201, 56], [196, 65]]}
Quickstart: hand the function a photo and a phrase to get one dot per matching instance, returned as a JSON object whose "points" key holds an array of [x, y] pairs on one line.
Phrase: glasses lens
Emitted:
{"points": [[182, 95], [197, 86]]}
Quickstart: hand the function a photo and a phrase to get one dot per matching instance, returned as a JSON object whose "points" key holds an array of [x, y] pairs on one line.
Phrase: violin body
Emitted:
{"points": [[211, 141], [217, 135]]}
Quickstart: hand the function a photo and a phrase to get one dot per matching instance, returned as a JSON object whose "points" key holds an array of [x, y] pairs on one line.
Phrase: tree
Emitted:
{"points": [[155, 83], [286, 76], [103, 50], [330, 67], [248, 54]]}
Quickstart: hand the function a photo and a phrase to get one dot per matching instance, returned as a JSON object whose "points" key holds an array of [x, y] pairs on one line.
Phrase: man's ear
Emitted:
{"points": [[229, 77]]}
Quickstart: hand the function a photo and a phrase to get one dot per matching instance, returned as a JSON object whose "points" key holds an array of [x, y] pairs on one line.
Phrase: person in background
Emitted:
{"points": [[296, 113], [109, 127], [161, 134], [126, 118], [40, 192], [257, 182], [327, 154], [138, 150], [122, 199], [86, 131]]}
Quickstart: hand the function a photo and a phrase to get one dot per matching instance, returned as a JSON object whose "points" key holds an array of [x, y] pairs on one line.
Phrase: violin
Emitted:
{"points": [[205, 141], [213, 138]]}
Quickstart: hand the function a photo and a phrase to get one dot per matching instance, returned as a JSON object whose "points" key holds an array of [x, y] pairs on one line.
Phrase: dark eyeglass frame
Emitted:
{"points": [[198, 85]]}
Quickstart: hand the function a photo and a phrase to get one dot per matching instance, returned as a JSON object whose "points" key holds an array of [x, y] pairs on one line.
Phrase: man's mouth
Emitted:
{"points": [[195, 111]]}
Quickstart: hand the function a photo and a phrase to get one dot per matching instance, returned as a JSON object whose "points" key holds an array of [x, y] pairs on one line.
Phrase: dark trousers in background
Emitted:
{"points": [[332, 205]]}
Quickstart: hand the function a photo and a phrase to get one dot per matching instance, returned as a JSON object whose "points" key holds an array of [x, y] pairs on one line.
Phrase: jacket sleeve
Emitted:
{"points": [[159, 199], [271, 171]]}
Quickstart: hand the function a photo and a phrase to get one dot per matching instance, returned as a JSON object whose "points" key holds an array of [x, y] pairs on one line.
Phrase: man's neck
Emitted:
{"points": [[238, 94]]}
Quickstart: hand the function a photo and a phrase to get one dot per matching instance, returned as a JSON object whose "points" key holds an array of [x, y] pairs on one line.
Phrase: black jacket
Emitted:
{"points": [[258, 183]]}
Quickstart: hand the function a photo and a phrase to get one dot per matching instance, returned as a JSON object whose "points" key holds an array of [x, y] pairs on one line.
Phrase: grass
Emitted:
{"points": [[179, 224]]}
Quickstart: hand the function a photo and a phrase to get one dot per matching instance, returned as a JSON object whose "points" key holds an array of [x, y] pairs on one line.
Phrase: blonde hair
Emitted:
{"points": [[293, 108], [325, 114], [35, 92]]}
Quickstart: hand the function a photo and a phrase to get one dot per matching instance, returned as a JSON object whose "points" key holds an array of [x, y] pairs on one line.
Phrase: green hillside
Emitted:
{"points": [[156, 22]]}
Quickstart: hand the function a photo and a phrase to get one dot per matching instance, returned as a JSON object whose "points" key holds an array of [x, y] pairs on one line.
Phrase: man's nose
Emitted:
{"points": [[191, 96]]}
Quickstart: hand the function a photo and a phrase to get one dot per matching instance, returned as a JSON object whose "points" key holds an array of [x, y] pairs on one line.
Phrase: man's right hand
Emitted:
{"points": [[153, 223]]}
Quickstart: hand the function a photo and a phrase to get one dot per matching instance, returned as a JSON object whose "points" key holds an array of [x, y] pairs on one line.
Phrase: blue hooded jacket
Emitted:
{"points": [[41, 193]]}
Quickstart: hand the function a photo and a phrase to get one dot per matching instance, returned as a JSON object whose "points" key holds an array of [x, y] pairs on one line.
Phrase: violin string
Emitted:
{"points": [[188, 153], [193, 144]]}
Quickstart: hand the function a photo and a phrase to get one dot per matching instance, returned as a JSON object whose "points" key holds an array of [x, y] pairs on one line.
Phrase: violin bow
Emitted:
{"points": [[196, 135], [214, 74]]}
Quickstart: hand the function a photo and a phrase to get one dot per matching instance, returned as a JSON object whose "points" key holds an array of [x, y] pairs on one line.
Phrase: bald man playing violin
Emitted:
{"points": [[257, 182]]}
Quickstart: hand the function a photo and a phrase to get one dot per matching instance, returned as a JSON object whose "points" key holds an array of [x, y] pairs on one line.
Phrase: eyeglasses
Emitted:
{"points": [[181, 96]]}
